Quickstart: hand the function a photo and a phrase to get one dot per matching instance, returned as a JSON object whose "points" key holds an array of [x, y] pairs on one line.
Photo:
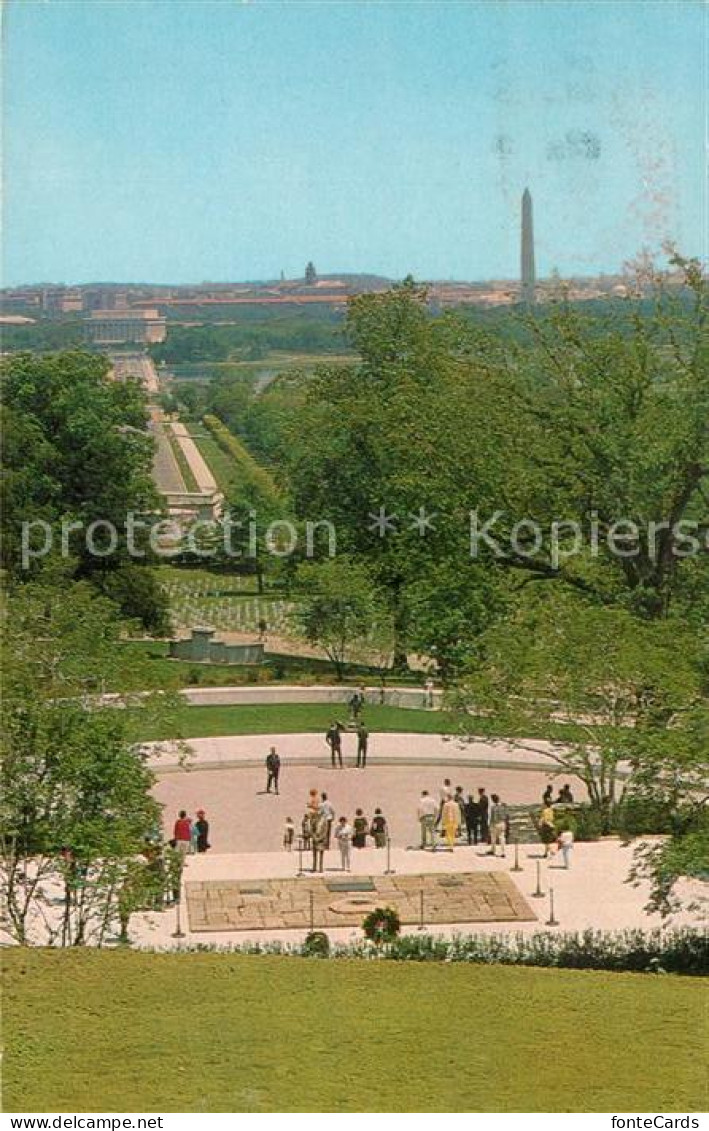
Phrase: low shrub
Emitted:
{"points": [[585, 823], [642, 815], [316, 945], [680, 951]]}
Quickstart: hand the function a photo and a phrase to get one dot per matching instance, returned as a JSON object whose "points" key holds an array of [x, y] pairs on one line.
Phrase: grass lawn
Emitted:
{"points": [[116, 1031], [283, 718], [221, 465]]}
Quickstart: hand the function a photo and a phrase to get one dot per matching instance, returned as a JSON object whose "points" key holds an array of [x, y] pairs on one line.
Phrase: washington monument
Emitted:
{"points": [[528, 274]]}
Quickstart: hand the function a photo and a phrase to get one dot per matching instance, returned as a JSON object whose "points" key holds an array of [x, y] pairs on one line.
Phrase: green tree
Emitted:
{"points": [[627, 684], [76, 452], [672, 773], [396, 436], [608, 429], [337, 609], [76, 808]]}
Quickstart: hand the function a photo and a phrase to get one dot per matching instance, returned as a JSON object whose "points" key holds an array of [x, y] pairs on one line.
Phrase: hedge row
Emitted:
{"points": [[679, 951], [255, 481]]}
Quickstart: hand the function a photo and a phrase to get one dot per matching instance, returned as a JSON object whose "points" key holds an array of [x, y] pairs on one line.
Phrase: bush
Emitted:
{"points": [[643, 815], [382, 925], [681, 951], [585, 823], [678, 952], [316, 945]]}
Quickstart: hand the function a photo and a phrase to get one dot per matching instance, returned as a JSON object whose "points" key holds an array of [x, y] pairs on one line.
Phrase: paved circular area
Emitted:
{"points": [[243, 818]]}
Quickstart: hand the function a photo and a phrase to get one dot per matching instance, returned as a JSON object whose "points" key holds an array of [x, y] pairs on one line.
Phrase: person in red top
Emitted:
{"points": [[182, 833]]}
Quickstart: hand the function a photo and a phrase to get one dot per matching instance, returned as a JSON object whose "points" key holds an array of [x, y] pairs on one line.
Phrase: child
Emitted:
{"points": [[566, 843], [305, 829], [343, 836], [288, 834]]}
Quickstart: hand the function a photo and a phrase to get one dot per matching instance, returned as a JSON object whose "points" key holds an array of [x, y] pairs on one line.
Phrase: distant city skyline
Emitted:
{"points": [[179, 142]]}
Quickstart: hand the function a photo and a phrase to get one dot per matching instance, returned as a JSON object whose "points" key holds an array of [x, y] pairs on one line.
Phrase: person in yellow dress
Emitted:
{"points": [[450, 820], [547, 829]]}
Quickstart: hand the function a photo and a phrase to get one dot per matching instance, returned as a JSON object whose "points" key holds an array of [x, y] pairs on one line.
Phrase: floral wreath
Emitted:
{"points": [[382, 924]]}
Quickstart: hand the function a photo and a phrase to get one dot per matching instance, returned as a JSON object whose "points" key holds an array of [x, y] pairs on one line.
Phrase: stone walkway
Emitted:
{"points": [[414, 750], [318, 901], [594, 894]]}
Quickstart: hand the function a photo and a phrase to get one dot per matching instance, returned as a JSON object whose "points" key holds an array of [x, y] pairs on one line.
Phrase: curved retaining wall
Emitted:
{"points": [[254, 694]]}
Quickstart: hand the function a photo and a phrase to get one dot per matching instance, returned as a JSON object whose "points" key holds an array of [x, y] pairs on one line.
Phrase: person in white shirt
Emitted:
{"points": [[427, 813], [566, 844], [343, 836], [328, 812]]}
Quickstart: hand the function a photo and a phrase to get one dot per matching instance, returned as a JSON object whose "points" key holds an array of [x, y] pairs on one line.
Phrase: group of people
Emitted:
{"points": [[318, 828], [484, 819], [333, 737], [189, 836]]}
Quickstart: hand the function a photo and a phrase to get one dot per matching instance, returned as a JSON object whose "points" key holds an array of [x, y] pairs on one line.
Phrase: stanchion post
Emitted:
{"points": [[178, 933], [516, 867], [551, 921], [300, 856], [389, 871], [538, 894]]}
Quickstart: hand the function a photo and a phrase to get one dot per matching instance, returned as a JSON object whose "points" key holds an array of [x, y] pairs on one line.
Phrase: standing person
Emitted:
{"points": [[427, 812], [343, 836], [318, 836], [450, 820], [273, 769], [333, 737], [262, 628], [547, 830], [328, 812], [429, 686], [566, 844], [498, 825], [459, 799], [547, 795], [378, 829], [484, 808], [444, 794], [182, 833], [355, 704], [471, 812], [288, 834], [362, 742], [201, 826], [305, 829], [361, 830]]}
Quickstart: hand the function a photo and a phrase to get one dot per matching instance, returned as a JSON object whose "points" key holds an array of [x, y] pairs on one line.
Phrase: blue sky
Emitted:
{"points": [[190, 140]]}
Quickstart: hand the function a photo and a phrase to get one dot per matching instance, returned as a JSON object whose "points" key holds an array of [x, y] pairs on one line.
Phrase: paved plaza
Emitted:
{"points": [[248, 889], [226, 778], [343, 901]]}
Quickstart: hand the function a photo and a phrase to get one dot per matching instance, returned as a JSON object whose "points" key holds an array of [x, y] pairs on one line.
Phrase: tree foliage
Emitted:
{"points": [[76, 807], [76, 451]]}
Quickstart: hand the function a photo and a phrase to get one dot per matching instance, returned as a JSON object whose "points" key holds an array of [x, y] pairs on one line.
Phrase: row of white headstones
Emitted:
{"points": [[239, 615]]}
